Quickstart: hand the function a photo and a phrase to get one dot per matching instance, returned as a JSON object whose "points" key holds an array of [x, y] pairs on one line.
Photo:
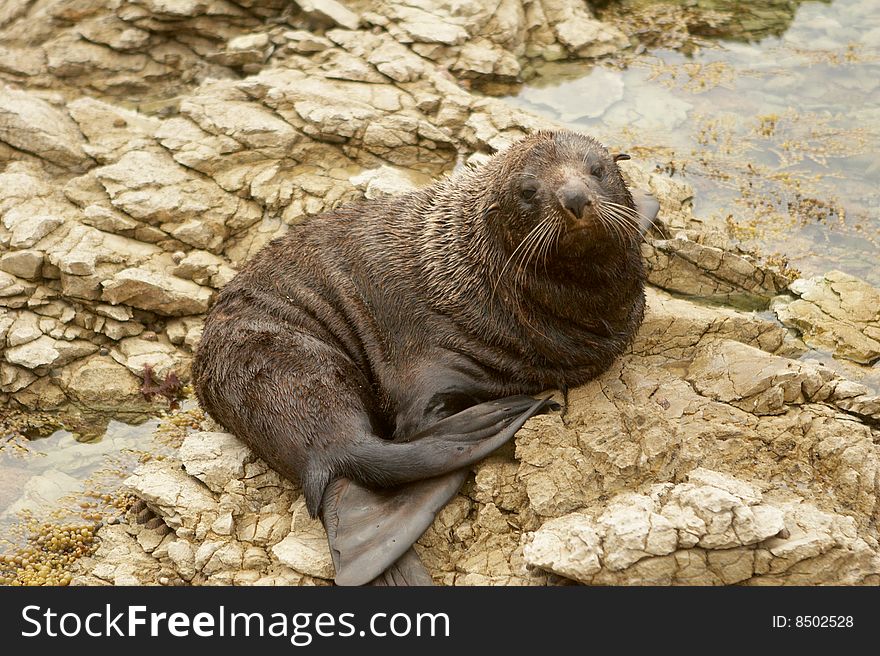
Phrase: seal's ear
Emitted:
{"points": [[620, 157], [647, 208]]}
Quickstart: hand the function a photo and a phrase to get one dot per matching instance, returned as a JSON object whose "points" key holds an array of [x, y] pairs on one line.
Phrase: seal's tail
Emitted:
{"points": [[370, 530]]}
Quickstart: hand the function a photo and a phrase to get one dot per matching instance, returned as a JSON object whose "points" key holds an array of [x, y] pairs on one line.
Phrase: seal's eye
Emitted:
{"points": [[529, 189], [596, 170]]}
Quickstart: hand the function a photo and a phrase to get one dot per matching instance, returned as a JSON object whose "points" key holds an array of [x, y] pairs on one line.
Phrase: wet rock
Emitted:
{"points": [[837, 312], [99, 383], [687, 267]]}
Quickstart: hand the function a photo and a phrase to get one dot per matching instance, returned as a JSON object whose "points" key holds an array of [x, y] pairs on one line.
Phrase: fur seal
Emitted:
{"points": [[377, 350]]}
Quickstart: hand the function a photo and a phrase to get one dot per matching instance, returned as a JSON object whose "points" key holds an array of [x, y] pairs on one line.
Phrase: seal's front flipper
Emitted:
{"points": [[370, 531], [647, 207]]}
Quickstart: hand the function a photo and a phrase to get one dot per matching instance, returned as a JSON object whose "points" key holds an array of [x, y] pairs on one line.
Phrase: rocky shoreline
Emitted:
{"points": [[721, 450]]}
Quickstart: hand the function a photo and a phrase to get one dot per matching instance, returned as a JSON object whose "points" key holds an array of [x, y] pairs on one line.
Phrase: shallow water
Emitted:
{"points": [[774, 120], [61, 479], [50, 473]]}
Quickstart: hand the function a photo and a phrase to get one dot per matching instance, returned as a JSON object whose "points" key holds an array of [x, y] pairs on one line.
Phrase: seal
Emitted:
{"points": [[377, 350]]}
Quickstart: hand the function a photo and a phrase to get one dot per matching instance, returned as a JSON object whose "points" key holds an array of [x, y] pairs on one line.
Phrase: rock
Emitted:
{"points": [[28, 229], [686, 267], [156, 292], [587, 37], [567, 545], [747, 378], [135, 353], [12, 289], [151, 187], [24, 328], [387, 181], [205, 269], [99, 383], [713, 453], [248, 51], [305, 549], [714, 522], [33, 125], [25, 264], [13, 379], [178, 498], [186, 331], [181, 554], [214, 458], [45, 351], [837, 312], [329, 12], [305, 42]]}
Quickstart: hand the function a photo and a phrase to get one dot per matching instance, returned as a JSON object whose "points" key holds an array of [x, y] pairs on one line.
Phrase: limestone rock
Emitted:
{"points": [[387, 181], [177, 497], [24, 328], [568, 545], [13, 379], [713, 453], [713, 528]]}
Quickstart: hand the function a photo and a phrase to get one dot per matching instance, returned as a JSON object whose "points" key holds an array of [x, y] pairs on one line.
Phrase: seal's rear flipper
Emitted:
{"points": [[368, 528], [647, 206], [449, 444], [407, 571], [371, 531]]}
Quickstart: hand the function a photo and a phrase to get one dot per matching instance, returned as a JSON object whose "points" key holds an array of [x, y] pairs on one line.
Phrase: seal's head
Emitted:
{"points": [[565, 187]]}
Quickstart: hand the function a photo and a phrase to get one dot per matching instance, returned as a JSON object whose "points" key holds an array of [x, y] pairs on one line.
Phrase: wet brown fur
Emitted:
{"points": [[372, 321]]}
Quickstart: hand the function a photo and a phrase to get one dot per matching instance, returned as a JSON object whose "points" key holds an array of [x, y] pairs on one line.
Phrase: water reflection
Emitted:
{"points": [[776, 125]]}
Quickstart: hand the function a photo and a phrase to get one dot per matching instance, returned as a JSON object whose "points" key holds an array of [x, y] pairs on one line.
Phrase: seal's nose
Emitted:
{"points": [[575, 199]]}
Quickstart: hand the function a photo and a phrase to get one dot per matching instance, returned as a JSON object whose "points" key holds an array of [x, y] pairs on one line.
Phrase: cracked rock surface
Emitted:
{"points": [[148, 148]]}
